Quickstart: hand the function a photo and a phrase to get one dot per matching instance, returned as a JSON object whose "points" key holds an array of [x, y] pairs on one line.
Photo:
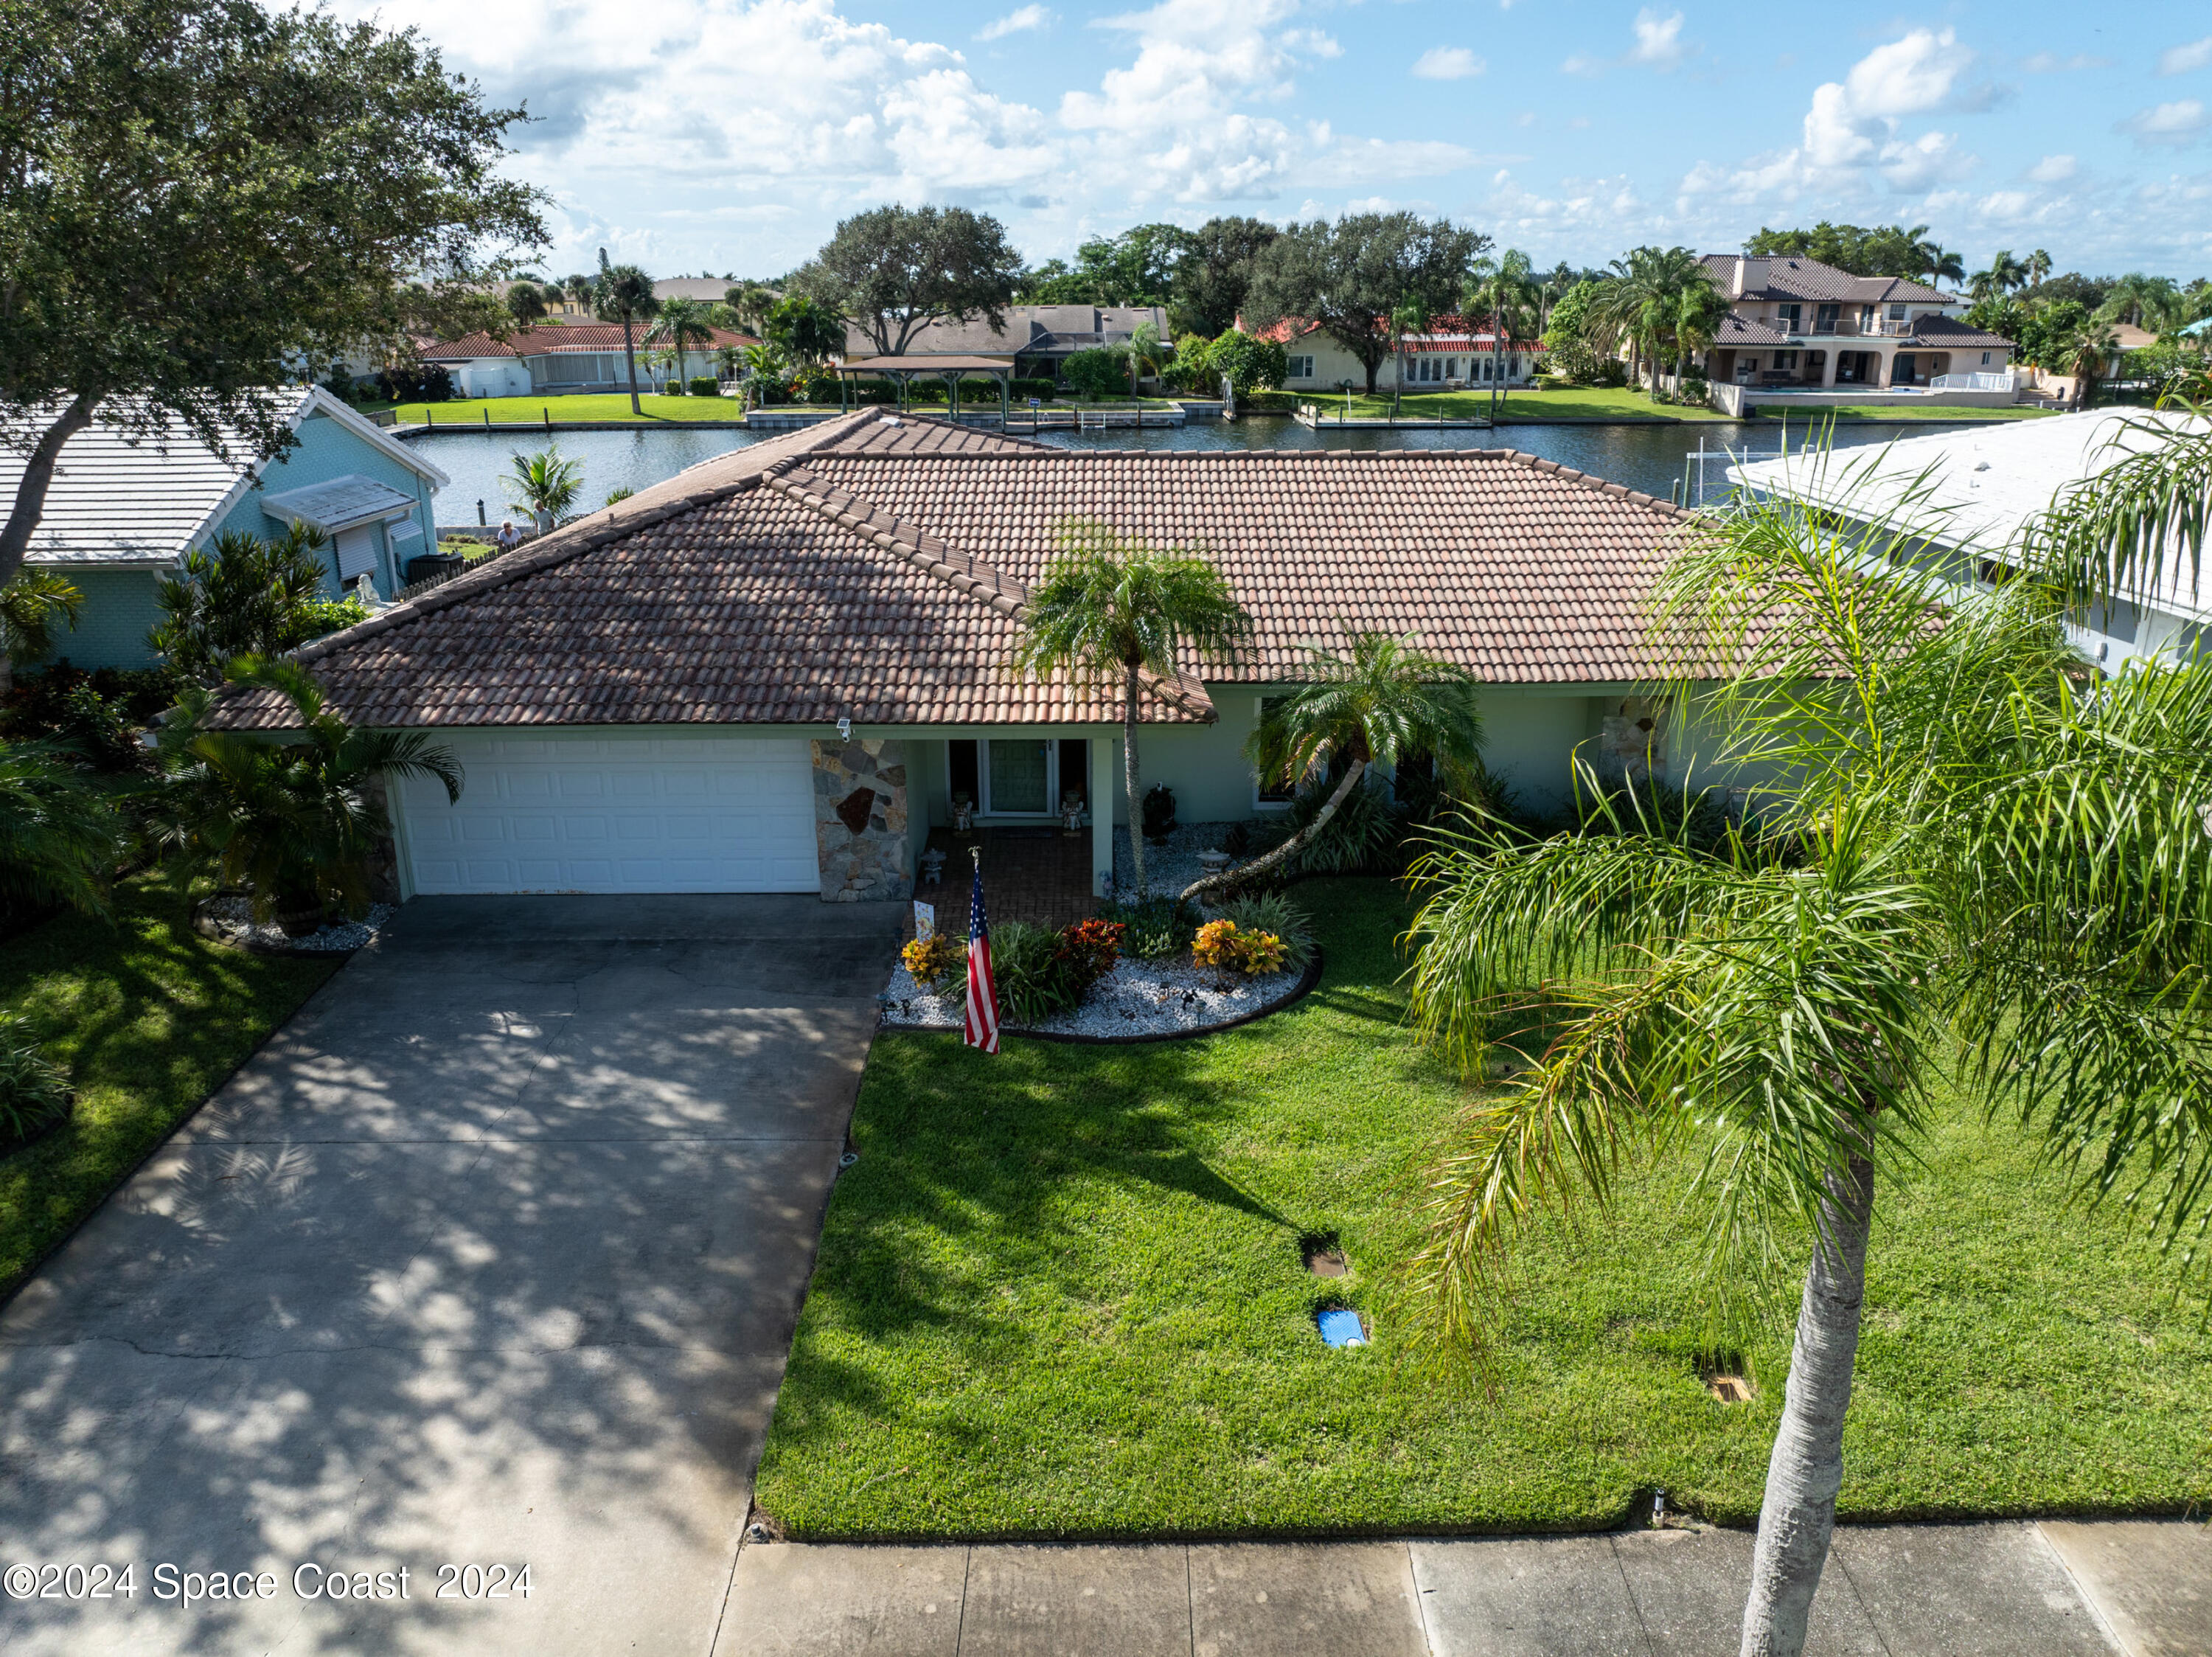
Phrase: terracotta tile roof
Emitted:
{"points": [[876, 569], [1950, 331], [1794, 277], [554, 338], [1737, 329]]}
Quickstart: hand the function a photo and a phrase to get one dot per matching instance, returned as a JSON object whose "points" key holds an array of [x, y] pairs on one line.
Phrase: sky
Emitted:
{"points": [[698, 136]]}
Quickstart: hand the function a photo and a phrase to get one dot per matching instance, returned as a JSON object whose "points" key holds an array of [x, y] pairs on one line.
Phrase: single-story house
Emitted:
{"points": [[122, 512], [1972, 490], [1037, 339], [1453, 353], [774, 670], [556, 358]]}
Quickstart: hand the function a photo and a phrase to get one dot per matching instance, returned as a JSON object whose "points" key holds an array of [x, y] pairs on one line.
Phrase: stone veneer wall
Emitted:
{"points": [[861, 820]]}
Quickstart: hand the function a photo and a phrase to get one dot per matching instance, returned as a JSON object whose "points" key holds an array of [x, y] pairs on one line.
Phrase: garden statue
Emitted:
{"points": [[1070, 812], [963, 814]]}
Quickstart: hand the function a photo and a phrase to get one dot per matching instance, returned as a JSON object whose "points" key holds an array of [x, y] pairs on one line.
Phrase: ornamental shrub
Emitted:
{"points": [[34, 1092], [672, 389], [1153, 930], [1088, 951], [931, 961], [1034, 982], [1271, 914], [705, 385], [1098, 372], [1222, 944]]}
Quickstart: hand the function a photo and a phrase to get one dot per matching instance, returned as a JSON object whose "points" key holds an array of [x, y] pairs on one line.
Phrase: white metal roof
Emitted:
{"points": [[1981, 483], [117, 500], [339, 503]]}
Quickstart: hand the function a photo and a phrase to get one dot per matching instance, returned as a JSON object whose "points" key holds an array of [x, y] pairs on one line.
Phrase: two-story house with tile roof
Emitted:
{"points": [[1036, 340], [1795, 323]]}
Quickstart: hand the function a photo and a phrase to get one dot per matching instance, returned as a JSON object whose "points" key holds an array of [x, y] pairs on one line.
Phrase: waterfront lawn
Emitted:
{"points": [[1620, 402], [470, 411], [1060, 1294], [149, 1018]]}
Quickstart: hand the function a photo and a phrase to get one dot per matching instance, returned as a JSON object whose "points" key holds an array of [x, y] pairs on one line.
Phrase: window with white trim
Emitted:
{"points": [[1298, 367]]}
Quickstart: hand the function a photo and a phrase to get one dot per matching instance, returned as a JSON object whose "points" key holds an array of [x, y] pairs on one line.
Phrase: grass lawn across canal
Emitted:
{"points": [[1060, 1294]]}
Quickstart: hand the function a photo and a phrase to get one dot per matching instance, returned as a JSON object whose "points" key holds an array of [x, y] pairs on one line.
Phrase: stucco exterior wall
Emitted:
{"points": [[327, 450], [111, 628]]}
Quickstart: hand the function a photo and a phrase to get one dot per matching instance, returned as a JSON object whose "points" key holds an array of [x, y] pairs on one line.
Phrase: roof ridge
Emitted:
{"points": [[739, 470], [975, 577]]}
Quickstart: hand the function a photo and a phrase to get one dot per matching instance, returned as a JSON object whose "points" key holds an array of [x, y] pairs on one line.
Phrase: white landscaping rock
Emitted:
{"points": [[231, 919], [1171, 868], [1137, 998]]}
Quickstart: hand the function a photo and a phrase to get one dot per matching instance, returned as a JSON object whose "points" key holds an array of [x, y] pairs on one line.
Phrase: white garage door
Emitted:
{"points": [[616, 813]]}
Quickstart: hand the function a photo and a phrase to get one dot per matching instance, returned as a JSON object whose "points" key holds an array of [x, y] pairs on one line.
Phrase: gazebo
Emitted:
{"points": [[951, 369]]}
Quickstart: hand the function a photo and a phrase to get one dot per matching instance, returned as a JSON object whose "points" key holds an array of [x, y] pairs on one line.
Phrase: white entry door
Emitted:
{"points": [[620, 813]]}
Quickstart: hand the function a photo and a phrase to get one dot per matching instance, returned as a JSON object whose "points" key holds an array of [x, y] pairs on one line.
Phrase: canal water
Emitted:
{"points": [[1650, 458]]}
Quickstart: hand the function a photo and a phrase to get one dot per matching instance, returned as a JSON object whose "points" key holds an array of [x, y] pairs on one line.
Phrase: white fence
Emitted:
{"points": [[2001, 380]]}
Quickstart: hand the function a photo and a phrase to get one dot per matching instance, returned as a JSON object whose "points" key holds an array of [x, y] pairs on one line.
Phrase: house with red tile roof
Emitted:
{"points": [[1453, 353], [774, 670], [556, 358]]}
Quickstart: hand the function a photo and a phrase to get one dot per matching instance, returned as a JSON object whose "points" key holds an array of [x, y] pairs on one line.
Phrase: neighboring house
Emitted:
{"points": [[560, 357], [1036, 339], [1795, 323], [1454, 353], [708, 291], [1972, 490], [711, 634], [121, 514]]}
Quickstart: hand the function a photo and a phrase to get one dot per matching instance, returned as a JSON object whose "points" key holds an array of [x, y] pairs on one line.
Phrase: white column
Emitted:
{"points": [[1105, 772]]}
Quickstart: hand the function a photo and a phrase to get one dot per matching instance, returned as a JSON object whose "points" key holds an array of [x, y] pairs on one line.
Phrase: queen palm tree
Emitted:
{"points": [[2038, 268], [625, 293], [1111, 607], [2146, 302], [60, 836], [2004, 274], [1408, 316], [292, 817], [1381, 701], [1148, 353], [31, 603], [1505, 291], [1987, 862], [2085, 351], [682, 324], [1642, 300], [544, 485]]}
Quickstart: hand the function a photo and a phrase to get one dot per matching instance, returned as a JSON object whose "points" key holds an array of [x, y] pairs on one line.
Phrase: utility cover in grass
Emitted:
{"points": [[1341, 1326]]}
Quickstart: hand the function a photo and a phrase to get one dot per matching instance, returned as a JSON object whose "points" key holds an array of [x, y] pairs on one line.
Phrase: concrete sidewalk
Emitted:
{"points": [[2141, 1588]]}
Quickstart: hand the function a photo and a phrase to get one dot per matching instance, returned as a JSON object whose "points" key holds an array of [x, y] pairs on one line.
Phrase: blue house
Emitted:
{"points": [[122, 513]]}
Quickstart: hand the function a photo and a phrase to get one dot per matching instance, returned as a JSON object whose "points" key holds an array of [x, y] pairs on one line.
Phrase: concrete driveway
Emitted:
{"points": [[490, 1258]]}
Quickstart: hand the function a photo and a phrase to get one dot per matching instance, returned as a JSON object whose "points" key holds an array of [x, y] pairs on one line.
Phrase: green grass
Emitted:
{"points": [[1591, 402], [1060, 1294], [470, 411], [148, 1017]]}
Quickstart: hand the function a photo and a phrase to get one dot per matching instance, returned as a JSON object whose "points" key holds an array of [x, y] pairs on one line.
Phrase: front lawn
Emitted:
{"points": [[470, 411], [1060, 1294], [149, 1018]]}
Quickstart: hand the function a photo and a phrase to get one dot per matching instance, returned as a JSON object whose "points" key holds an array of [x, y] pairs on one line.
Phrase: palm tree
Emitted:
{"points": [[240, 596], [1642, 300], [1148, 353], [1980, 864], [2146, 302], [60, 838], [2004, 274], [1409, 316], [1939, 263], [1503, 291], [682, 324], [1112, 606], [752, 303], [625, 293], [32, 602], [2037, 267], [2085, 351], [1697, 317], [1382, 701], [809, 329], [293, 817], [526, 303], [544, 485]]}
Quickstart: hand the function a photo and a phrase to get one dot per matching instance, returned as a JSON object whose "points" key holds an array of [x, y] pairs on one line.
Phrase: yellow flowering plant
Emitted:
{"points": [[930, 961]]}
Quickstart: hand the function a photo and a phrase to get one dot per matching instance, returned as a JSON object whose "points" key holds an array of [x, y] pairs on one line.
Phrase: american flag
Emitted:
{"points": [[981, 1028]]}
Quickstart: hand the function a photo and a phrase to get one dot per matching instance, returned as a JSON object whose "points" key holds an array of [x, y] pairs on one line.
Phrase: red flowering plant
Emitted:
{"points": [[1087, 952]]}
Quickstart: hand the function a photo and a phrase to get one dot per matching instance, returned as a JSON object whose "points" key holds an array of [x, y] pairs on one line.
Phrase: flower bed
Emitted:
{"points": [[1137, 998], [229, 919]]}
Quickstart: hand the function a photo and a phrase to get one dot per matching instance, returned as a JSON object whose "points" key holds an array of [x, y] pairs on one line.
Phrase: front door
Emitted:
{"points": [[1017, 778]]}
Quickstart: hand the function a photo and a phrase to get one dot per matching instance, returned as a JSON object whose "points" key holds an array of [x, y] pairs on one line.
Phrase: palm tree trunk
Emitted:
{"points": [[1807, 1468], [1129, 778], [629, 361], [1304, 836]]}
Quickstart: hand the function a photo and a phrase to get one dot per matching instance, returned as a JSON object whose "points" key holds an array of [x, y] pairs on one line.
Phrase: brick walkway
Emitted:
{"points": [[1041, 875]]}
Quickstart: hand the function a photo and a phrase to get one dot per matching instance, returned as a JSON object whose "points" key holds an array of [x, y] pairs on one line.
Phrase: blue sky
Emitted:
{"points": [[730, 134]]}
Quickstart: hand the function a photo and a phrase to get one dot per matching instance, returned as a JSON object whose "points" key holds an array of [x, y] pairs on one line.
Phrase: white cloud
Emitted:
{"points": [[2179, 60], [2053, 169], [2006, 206], [1931, 159], [1658, 45], [1015, 22], [2174, 123], [2049, 62], [1448, 63], [1658, 40], [1910, 76]]}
